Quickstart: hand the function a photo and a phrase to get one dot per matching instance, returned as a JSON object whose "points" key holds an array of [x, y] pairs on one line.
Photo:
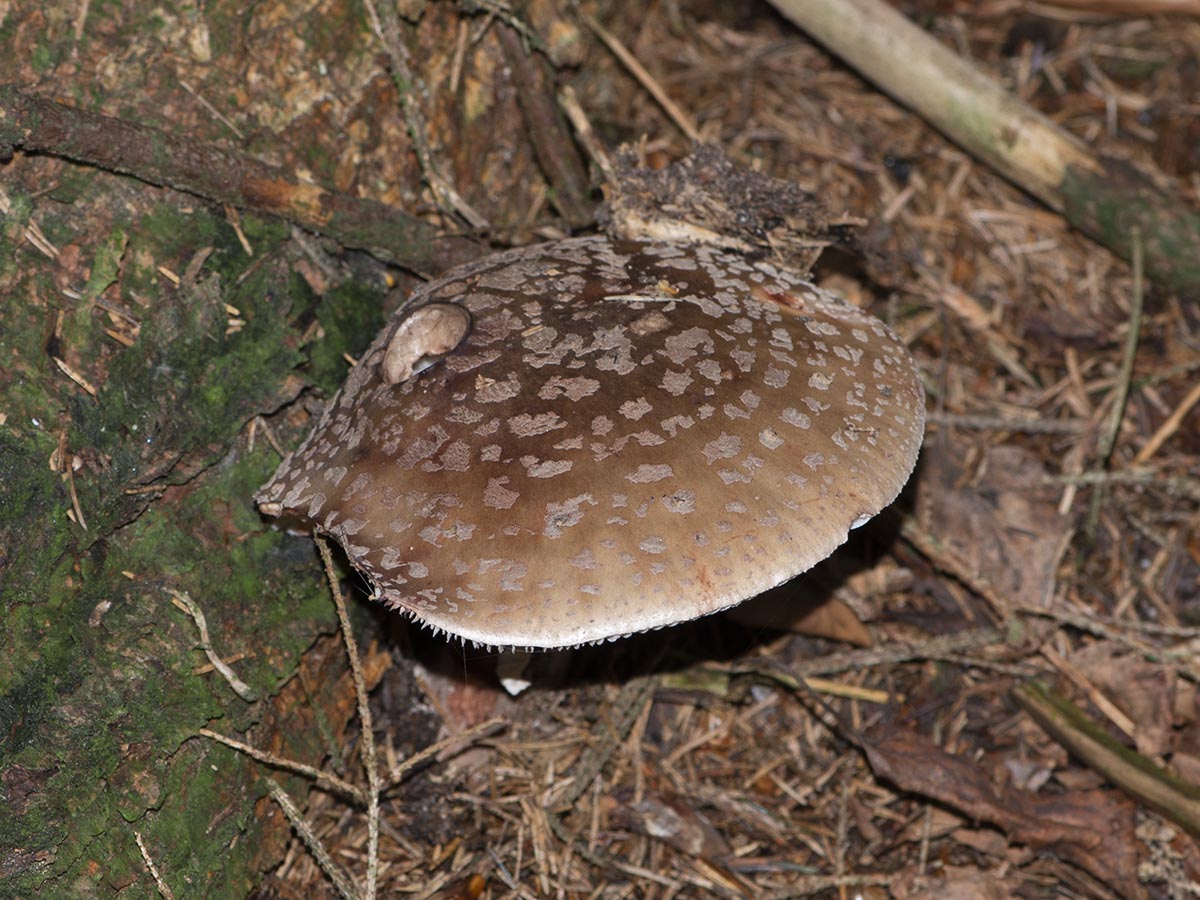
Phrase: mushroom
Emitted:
{"points": [[608, 436]]}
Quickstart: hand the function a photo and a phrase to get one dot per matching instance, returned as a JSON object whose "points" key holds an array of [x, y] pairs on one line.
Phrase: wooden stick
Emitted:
{"points": [[1107, 199], [1133, 773], [1168, 427]]}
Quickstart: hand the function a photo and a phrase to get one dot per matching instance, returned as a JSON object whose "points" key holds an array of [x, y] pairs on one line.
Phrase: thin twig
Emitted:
{"points": [[604, 861], [933, 548], [387, 29], [1006, 423], [681, 119], [163, 888], [1088, 688], [1183, 662], [942, 647], [1169, 426], [556, 154], [370, 758], [1100, 195], [627, 706], [323, 779], [220, 116], [339, 878], [1134, 773], [1183, 486], [463, 739], [188, 605], [568, 101], [808, 885], [1108, 438], [75, 505]]}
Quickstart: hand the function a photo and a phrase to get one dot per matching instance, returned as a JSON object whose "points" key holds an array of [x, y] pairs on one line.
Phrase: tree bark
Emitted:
{"points": [[101, 700]]}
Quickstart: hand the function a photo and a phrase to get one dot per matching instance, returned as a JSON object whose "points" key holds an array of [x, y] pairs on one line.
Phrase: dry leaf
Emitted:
{"points": [[1143, 691], [832, 619], [673, 820], [1091, 829], [994, 518]]}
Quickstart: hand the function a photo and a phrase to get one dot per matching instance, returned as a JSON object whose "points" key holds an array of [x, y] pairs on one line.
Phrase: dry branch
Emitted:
{"points": [[550, 139], [1105, 198], [1138, 776], [37, 125]]}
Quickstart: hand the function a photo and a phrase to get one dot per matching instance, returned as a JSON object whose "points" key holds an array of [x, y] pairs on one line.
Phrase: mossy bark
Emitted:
{"points": [[1110, 205], [100, 697]]}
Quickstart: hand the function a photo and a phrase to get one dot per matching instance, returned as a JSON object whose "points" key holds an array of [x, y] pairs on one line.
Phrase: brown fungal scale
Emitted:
{"points": [[619, 436]]}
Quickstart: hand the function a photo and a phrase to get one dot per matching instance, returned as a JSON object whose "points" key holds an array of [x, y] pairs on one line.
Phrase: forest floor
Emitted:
{"points": [[903, 738]]}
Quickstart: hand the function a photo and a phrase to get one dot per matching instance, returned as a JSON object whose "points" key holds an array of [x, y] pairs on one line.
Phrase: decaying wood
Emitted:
{"points": [[37, 125]]}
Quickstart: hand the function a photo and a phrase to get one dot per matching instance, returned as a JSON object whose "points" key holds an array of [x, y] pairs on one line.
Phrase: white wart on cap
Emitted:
{"points": [[607, 437]]}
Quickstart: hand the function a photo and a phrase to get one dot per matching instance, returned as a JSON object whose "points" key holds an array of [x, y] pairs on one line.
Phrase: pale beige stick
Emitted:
{"points": [[585, 133], [398, 770], [184, 602], [335, 873], [164, 889], [1094, 694], [681, 119], [324, 779], [1101, 196], [1169, 427], [949, 91]]}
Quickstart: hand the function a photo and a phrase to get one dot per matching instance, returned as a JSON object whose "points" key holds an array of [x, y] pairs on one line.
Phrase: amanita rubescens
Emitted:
{"points": [[606, 437]]}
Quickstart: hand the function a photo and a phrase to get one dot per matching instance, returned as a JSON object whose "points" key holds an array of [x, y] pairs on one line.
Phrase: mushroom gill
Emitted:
{"points": [[613, 436]]}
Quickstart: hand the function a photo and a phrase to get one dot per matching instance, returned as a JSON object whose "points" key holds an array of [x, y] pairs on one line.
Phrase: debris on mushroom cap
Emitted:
{"points": [[629, 435], [705, 198]]}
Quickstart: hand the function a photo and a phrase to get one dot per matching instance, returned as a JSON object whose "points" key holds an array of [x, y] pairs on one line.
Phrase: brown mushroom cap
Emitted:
{"points": [[628, 436]]}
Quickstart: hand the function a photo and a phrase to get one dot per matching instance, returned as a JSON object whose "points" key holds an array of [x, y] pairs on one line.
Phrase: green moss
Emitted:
{"points": [[23, 706], [43, 58], [168, 233], [258, 230], [72, 184], [12, 229], [119, 688], [97, 683], [29, 491], [350, 316], [1110, 204], [105, 265]]}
